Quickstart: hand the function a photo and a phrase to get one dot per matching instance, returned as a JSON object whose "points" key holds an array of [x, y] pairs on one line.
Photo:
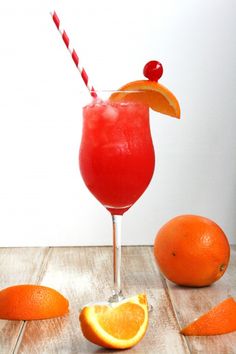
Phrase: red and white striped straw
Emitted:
{"points": [[74, 55]]}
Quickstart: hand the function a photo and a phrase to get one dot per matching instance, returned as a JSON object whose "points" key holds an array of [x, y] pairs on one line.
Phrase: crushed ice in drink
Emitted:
{"points": [[110, 112]]}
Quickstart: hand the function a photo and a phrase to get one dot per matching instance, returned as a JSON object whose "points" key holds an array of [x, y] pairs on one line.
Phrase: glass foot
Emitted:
{"points": [[116, 297], [150, 308]]}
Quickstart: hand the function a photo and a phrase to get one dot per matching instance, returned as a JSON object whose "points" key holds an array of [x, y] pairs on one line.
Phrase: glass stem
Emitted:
{"points": [[116, 293]]}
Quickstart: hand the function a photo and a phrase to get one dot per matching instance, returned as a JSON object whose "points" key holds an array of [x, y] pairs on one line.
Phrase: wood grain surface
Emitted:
{"points": [[83, 274]]}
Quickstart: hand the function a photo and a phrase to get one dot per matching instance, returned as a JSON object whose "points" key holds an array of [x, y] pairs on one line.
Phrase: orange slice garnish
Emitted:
{"points": [[219, 320], [151, 93], [31, 302], [119, 326]]}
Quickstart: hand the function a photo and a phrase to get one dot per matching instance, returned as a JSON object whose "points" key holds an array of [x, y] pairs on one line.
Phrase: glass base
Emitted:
{"points": [[116, 297], [150, 308]]}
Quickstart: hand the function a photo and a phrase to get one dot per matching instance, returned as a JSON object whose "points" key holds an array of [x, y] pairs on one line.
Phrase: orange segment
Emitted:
{"points": [[219, 320], [151, 93], [119, 326], [31, 302]]}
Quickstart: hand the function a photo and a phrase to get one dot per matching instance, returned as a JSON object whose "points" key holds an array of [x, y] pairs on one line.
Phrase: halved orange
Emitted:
{"points": [[151, 93], [31, 302], [219, 320], [119, 325]]}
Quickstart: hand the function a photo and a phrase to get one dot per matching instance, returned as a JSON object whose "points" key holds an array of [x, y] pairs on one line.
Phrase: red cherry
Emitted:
{"points": [[153, 70]]}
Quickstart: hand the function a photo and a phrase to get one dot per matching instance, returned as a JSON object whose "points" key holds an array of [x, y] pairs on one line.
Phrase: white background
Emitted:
{"points": [[43, 200]]}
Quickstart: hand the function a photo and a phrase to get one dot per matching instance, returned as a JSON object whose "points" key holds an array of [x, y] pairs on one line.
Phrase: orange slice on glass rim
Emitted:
{"points": [[117, 326], [219, 320], [151, 93]]}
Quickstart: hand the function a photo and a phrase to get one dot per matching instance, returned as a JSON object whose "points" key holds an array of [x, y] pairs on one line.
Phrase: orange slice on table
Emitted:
{"points": [[31, 302], [118, 326], [219, 320], [151, 93]]}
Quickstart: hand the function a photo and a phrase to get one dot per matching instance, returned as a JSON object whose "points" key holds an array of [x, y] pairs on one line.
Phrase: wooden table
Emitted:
{"points": [[84, 274]]}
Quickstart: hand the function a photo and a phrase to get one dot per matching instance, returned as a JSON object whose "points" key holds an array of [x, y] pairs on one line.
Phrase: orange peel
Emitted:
{"points": [[220, 319], [31, 302]]}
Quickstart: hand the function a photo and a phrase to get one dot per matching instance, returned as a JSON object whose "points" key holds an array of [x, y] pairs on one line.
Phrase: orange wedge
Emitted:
{"points": [[151, 93], [31, 302], [118, 326], [219, 320]]}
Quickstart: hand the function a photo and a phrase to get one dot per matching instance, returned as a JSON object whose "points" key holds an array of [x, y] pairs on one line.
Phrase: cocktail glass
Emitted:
{"points": [[117, 162]]}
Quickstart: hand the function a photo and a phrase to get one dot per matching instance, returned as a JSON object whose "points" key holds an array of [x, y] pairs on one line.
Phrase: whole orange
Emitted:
{"points": [[191, 250]]}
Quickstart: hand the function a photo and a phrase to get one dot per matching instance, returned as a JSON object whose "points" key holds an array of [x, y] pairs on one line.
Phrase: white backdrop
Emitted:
{"points": [[43, 200]]}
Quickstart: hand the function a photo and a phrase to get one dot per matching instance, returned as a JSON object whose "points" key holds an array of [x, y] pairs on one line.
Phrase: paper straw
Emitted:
{"points": [[73, 54]]}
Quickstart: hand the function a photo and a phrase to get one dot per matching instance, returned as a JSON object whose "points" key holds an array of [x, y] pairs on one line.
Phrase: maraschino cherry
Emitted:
{"points": [[153, 70]]}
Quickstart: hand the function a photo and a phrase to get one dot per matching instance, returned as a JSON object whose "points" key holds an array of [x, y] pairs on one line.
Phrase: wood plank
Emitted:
{"points": [[84, 274], [190, 303], [17, 266]]}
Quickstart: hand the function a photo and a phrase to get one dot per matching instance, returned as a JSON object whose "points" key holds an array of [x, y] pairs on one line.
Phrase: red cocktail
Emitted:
{"points": [[116, 162], [116, 153]]}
